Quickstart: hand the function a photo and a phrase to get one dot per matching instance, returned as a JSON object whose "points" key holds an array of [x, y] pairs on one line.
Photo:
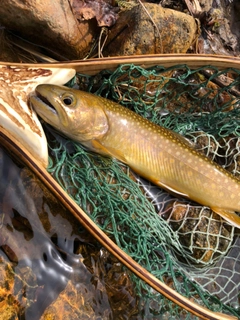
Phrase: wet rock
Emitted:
{"points": [[205, 237], [72, 305], [167, 31], [13, 290]]}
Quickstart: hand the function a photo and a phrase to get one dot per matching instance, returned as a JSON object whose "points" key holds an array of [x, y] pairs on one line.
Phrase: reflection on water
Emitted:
{"points": [[48, 262]]}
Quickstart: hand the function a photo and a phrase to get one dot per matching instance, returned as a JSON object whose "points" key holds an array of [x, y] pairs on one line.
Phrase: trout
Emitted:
{"points": [[160, 155]]}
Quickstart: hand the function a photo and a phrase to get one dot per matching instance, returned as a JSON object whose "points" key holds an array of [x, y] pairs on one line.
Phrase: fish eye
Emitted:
{"points": [[67, 100]]}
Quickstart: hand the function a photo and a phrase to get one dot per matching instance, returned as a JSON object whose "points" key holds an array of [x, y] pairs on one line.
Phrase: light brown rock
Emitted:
{"points": [[136, 33], [50, 24]]}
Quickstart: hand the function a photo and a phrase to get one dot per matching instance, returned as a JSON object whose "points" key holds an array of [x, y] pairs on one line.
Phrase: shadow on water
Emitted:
{"points": [[51, 256]]}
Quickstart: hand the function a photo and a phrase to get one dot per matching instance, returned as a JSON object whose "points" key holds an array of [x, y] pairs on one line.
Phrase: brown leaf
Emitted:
{"points": [[105, 14]]}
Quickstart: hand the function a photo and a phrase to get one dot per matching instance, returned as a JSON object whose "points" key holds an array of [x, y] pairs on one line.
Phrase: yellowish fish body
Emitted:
{"points": [[158, 154]]}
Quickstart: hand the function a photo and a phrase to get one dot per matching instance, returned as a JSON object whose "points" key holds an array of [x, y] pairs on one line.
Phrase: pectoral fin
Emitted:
{"points": [[108, 151], [228, 215]]}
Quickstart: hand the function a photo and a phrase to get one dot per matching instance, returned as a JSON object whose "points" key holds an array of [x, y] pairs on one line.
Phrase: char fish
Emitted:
{"points": [[160, 155]]}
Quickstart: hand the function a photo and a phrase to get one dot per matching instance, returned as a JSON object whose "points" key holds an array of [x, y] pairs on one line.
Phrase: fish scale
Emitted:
{"points": [[156, 153]]}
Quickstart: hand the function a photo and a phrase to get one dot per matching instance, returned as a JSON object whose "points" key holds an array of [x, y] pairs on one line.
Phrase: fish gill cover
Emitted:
{"points": [[187, 246]]}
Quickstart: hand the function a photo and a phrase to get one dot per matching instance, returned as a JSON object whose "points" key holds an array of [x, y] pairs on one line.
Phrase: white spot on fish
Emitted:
{"points": [[124, 122]]}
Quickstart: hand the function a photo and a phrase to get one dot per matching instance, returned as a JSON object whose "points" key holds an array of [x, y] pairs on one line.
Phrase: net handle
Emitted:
{"points": [[94, 66], [12, 145]]}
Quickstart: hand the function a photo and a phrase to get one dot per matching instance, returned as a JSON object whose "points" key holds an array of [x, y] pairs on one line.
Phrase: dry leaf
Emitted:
{"points": [[105, 14]]}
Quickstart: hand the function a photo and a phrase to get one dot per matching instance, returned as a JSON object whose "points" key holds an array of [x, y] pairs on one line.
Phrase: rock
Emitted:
{"points": [[75, 302], [50, 24], [135, 33], [18, 290]]}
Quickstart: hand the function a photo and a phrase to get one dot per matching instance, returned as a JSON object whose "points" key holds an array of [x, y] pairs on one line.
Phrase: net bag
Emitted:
{"points": [[183, 244]]}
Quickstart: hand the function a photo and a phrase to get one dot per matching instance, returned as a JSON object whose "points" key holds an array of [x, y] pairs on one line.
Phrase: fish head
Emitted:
{"points": [[75, 113]]}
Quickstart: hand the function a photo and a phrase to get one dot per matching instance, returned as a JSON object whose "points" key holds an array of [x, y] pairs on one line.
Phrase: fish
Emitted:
{"points": [[158, 154], [19, 121]]}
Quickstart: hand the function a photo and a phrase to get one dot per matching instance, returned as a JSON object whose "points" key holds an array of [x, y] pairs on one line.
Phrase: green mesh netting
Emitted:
{"points": [[185, 245]]}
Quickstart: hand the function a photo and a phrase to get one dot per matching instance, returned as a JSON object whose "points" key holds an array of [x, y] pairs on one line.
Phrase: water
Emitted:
{"points": [[52, 261]]}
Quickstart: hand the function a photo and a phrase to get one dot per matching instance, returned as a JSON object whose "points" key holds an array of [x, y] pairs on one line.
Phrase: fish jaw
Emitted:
{"points": [[46, 111], [70, 112]]}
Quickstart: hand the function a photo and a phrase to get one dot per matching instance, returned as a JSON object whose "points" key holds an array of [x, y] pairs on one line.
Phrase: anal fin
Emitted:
{"points": [[228, 215], [172, 190]]}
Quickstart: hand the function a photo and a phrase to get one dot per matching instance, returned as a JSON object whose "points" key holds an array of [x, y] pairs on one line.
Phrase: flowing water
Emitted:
{"points": [[48, 262]]}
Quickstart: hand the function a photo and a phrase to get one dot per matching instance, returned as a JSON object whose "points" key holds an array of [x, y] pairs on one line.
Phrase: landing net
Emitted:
{"points": [[180, 242]]}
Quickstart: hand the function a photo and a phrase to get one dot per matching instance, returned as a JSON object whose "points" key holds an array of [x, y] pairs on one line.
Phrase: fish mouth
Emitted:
{"points": [[44, 100], [47, 104]]}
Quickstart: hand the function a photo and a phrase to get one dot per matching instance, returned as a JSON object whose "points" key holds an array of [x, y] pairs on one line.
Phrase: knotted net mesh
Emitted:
{"points": [[186, 245]]}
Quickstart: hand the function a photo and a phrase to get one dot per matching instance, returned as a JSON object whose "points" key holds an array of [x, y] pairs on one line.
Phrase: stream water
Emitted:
{"points": [[48, 262]]}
